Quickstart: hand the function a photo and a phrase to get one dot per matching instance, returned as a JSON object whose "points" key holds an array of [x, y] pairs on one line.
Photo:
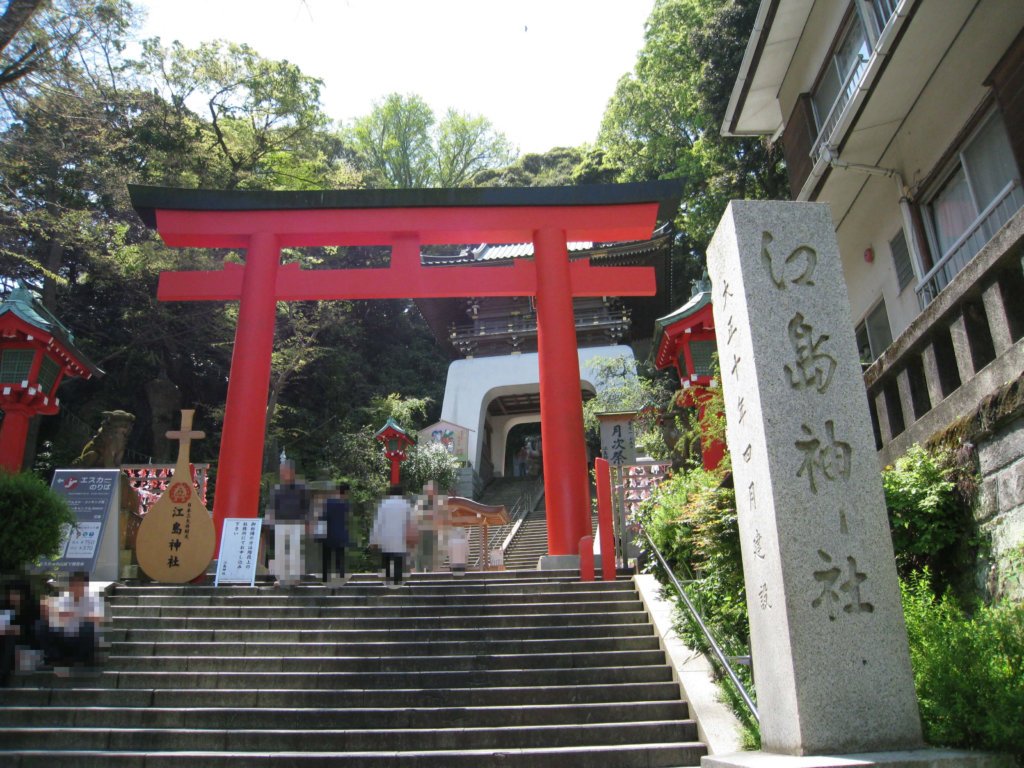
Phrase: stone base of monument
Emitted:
{"points": [[558, 563], [915, 758], [565, 562]]}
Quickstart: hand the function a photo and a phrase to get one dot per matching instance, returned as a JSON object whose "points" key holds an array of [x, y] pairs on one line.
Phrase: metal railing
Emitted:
{"points": [[502, 535], [1009, 200], [878, 15], [715, 647], [846, 91]]}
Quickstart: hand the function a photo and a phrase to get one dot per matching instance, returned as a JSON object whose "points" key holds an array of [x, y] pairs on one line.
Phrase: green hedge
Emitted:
{"points": [[33, 518], [968, 669]]}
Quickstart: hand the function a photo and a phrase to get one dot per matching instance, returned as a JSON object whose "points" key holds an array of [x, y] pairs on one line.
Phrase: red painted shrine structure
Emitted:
{"points": [[685, 341], [263, 223]]}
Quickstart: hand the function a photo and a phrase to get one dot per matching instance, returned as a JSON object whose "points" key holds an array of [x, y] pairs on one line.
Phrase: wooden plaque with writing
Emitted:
{"points": [[176, 539]]}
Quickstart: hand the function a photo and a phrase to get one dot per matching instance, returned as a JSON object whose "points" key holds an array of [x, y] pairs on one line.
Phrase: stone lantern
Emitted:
{"points": [[686, 342], [395, 439], [36, 352]]}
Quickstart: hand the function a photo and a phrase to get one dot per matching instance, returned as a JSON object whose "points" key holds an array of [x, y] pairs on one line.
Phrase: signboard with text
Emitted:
{"points": [[239, 550], [91, 544]]}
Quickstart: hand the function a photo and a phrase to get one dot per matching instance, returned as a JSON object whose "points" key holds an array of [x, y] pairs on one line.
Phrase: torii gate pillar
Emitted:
{"points": [[264, 222], [245, 421], [561, 410]]}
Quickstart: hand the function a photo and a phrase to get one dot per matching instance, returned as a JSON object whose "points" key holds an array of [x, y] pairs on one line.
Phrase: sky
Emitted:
{"points": [[541, 71]]}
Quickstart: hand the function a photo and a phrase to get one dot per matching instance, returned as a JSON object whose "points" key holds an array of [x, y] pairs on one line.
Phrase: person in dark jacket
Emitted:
{"points": [[288, 514], [19, 614], [332, 530]]}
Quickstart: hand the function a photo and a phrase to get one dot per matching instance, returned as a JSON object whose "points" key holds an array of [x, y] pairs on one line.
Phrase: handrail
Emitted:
{"points": [[843, 97], [716, 649], [503, 533], [924, 284]]}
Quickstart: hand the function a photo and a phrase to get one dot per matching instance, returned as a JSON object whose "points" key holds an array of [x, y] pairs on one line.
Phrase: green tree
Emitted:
{"points": [[35, 519], [263, 126], [47, 45], [663, 120], [621, 386], [560, 166], [400, 144]]}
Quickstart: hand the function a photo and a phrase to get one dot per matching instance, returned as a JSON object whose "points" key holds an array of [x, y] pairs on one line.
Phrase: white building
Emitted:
{"points": [[493, 383], [907, 118]]}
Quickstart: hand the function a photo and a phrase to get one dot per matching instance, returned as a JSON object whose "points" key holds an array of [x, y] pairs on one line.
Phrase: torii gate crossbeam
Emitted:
{"points": [[264, 222]]}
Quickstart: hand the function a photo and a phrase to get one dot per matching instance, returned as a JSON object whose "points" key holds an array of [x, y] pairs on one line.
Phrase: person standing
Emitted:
{"points": [[288, 513], [333, 531], [390, 531]]}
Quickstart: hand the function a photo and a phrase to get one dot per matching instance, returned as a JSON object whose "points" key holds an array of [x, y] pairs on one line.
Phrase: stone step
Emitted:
{"points": [[482, 678], [348, 594], [538, 671], [161, 646], [352, 599], [384, 663], [383, 610], [427, 739], [655, 755], [61, 694], [523, 578], [494, 623], [323, 718], [435, 635]]}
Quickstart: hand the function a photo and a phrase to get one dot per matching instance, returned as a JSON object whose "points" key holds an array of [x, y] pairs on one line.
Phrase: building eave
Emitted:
{"points": [[753, 105]]}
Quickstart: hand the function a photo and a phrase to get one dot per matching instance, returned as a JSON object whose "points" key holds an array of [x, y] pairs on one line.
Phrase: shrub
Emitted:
{"points": [[33, 521], [968, 670], [930, 523], [692, 520], [430, 462]]}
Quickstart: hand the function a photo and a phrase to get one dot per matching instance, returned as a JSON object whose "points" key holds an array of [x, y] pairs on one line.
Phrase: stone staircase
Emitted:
{"points": [[531, 540], [492, 669]]}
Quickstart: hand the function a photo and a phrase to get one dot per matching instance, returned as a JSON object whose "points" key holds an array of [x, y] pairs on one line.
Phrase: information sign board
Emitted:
{"points": [[91, 545], [239, 550]]}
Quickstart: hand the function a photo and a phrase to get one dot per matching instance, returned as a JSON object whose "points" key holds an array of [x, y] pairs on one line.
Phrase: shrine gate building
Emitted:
{"points": [[264, 222]]}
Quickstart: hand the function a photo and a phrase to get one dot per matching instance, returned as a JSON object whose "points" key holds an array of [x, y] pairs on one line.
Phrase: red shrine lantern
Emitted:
{"points": [[686, 342], [395, 440], [35, 354]]}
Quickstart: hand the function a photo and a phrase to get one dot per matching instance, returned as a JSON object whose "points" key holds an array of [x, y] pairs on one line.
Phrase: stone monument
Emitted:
{"points": [[829, 644]]}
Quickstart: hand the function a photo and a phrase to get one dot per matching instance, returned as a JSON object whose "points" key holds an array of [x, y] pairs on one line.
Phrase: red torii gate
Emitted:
{"points": [[263, 223]]}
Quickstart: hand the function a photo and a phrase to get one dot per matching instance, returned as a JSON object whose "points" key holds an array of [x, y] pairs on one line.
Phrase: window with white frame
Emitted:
{"points": [[873, 333], [846, 64], [979, 193], [841, 74]]}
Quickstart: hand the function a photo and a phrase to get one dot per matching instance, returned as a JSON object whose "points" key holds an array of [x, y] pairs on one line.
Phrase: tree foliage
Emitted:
{"points": [[35, 519], [561, 166], [663, 120], [401, 144], [622, 386], [262, 122]]}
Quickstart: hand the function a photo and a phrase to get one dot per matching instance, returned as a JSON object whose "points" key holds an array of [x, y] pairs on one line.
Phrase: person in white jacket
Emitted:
{"points": [[390, 530]]}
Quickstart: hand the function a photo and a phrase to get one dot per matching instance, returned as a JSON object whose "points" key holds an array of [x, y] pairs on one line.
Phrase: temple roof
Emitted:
{"points": [[22, 303], [440, 314]]}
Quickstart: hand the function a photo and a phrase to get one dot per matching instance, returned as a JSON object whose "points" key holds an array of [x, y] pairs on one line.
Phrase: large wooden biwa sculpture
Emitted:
{"points": [[263, 223]]}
